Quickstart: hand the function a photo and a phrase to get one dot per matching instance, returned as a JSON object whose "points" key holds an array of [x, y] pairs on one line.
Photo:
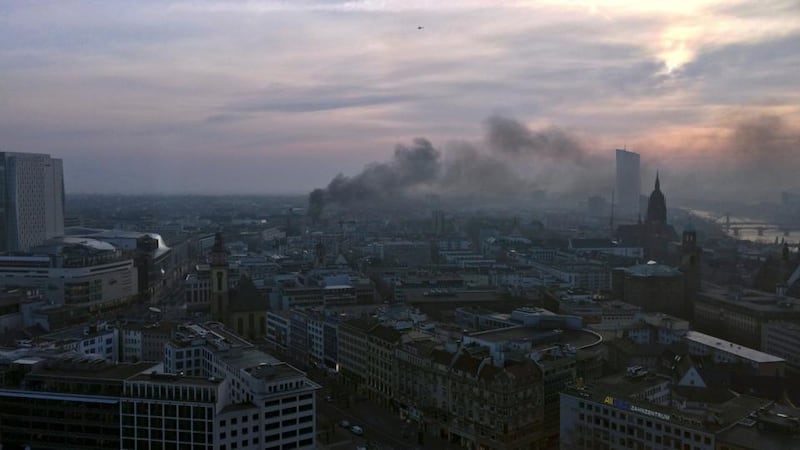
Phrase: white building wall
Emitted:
{"points": [[34, 186], [117, 280]]}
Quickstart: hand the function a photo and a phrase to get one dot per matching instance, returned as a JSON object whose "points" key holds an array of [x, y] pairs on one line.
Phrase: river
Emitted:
{"points": [[745, 228]]}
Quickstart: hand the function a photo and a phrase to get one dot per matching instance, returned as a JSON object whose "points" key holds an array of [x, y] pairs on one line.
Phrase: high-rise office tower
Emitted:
{"points": [[31, 200], [629, 185]]}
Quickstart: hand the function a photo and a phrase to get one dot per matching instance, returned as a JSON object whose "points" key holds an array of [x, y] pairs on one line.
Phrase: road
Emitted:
{"points": [[383, 429]]}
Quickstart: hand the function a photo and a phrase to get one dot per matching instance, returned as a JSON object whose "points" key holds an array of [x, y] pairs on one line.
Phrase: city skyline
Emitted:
{"points": [[257, 97]]}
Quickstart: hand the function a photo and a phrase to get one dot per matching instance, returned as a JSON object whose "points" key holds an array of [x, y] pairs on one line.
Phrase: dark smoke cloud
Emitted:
{"points": [[765, 153], [765, 139], [756, 158], [753, 160], [508, 136], [411, 167], [468, 172], [511, 163]]}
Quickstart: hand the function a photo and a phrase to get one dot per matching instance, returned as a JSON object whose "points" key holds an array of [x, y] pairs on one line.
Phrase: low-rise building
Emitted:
{"points": [[575, 273], [722, 351], [74, 271], [464, 398], [654, 287], [145, 341], [590, 246], [634, 410], [353, 347], [381, 364], [738, 315], [99, 340]]}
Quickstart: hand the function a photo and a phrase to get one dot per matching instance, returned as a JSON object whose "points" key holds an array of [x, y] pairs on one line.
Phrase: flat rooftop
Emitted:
{"points": [[89, 369], [460, 297], [160, 378], [74, 333], [749, 299], [748, 435], [275, 372], [576, 338], [722, 345], [246, 358], [621, 387]]}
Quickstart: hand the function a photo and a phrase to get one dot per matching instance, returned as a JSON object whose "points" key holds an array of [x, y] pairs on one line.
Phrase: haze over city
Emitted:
{"points": [[278, 96], [399, 225]]}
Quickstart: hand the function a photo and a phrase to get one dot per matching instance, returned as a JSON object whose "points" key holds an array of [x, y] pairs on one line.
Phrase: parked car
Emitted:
{"points": [[357, 430], [344, 424]]}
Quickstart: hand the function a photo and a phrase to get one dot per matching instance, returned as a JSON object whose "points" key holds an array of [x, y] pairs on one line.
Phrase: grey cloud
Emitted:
{"points": [[745, 73], [223, 118], [761, 8], [91, 82], [300, 105]]}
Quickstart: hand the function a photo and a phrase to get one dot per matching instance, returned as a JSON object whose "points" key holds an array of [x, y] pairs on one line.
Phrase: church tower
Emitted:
{"points": [[657, 205], [219, 280]]}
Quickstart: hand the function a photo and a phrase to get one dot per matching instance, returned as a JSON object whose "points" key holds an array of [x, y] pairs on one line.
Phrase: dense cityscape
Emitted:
{"points": [[399, 225], [260, 322]]}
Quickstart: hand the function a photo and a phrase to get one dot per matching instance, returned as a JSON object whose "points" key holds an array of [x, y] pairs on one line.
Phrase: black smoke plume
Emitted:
{"points": [[511, 162], [508, 136], [414, 166]]}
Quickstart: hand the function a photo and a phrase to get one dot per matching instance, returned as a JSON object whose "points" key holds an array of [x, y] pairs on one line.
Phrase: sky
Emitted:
{"points": [[242, 96]]}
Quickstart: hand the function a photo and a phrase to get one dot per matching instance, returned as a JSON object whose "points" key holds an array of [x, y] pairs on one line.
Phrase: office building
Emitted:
{"points": [[628, 186], [739, 315], [272, 404], [639, 410], [722, 351], [71, 271], [468, 399], [782, 339], [62, 403], [653, 287], [87, 403], [32, 207]]}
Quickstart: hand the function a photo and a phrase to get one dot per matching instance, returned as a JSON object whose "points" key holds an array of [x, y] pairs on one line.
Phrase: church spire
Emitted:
{"points": [[657, 205]]}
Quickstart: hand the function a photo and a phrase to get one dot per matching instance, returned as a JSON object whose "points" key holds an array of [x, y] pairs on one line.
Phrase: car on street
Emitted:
{"points": [[344, 424], [357, 430], [329, 399]]}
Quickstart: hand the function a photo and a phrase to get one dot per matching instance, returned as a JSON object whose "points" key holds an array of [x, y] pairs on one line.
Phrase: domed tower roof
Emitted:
{"points": [[657, 205]]}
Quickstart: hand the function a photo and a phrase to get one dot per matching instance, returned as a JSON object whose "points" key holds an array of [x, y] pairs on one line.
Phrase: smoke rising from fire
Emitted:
{"points": [[511, 162]]}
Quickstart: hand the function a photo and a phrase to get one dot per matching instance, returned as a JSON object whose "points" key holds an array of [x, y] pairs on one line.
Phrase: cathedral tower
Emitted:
{"points": [[657, 205]]}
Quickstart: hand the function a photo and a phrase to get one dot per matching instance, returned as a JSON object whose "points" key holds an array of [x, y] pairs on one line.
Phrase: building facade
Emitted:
{"points": [[32, 204], [274, 400], [628, 186], [74, 272]]}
